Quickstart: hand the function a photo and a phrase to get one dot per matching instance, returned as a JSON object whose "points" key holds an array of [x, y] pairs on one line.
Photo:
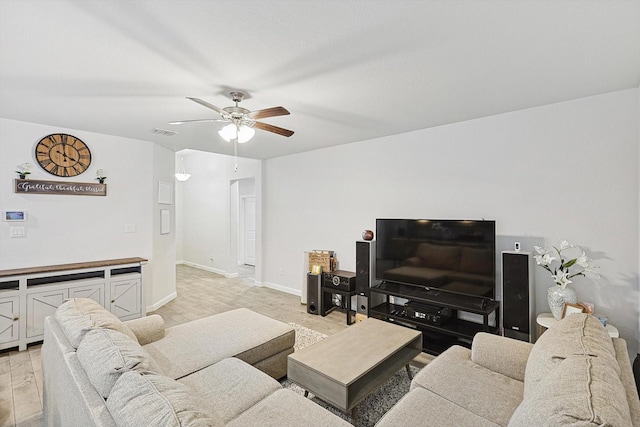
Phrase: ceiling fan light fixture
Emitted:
{"points": [[243, 133]]}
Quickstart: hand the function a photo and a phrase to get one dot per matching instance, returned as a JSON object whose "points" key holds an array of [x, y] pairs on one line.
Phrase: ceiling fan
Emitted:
{"points": [[242, 122]]}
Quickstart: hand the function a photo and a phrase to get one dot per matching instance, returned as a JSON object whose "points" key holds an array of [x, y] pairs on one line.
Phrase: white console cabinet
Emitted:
{"points": [[28, 295]]}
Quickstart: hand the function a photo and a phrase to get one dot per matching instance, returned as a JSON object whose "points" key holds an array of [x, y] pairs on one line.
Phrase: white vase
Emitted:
{"points": [[557, 296]]}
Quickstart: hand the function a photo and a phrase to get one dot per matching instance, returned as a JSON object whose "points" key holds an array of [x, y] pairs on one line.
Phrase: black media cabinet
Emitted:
{"points": [[436, 336]]}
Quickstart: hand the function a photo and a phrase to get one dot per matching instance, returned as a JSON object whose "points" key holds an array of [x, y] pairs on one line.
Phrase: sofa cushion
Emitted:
{"points": [[154, 400], [421, 407], [231, 386], [240, 333], [454, 377], [147, 329], [284, 408], [501, 354], [576, 334], [627, 379], [580, 390], [106, 354], [78, 316]]}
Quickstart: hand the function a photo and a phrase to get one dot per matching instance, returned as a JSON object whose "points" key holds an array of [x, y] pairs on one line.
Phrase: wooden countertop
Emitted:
{"points": [[73, 266]]}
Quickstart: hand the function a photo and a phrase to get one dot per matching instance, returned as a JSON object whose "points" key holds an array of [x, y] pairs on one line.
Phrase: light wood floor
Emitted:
{"points": [[200, 294]]}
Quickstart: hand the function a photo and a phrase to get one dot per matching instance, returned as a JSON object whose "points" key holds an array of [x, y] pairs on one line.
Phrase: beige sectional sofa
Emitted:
{"points": [[574, 375], [216, 371]]}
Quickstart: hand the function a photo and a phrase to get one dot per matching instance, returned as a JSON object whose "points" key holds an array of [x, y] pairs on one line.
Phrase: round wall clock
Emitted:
{"points": [[63, 155]]}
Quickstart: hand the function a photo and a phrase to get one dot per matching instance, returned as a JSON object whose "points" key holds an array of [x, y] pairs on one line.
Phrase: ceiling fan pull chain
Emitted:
{"points": [[235, 153]]}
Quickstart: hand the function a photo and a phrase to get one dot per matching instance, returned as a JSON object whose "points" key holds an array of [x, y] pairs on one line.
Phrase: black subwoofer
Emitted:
{"points": [[313, 293]]}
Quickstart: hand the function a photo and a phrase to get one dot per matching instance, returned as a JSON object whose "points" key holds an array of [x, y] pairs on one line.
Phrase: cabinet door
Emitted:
{"points": [[126, 299], [41, 305], [95, 292], [9, 325]]}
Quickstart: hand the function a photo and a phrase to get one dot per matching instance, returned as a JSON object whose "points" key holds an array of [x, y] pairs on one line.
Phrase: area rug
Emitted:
{"points": [[373, 407]]}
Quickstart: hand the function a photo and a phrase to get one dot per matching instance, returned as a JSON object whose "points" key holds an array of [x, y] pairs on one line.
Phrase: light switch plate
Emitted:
{"points": [[129, 228], [16, 232]]}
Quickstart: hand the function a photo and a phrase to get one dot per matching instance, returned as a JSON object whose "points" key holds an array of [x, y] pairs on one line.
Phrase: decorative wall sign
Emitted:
{"points": [[30, 186]]}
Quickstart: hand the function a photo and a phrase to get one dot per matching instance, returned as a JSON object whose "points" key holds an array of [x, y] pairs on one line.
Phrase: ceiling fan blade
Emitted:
{"points": [[268, 112], [274, 129], [181, 122], [206, 104]]}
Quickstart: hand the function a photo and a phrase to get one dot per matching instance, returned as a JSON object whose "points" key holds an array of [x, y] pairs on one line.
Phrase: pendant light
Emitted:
{"points": [[182, 176]]}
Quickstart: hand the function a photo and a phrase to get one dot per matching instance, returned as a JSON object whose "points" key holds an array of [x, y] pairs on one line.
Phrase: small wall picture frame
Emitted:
{"points": [[164, 193], [165, 221], [316, 269], [569, 308], [14, 216]]}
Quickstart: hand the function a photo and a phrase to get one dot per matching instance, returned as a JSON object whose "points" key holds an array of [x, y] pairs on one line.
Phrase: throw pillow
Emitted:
{"points": [[106, 354], [577, 334], [153, 400], [77, 316], [581, 390]]}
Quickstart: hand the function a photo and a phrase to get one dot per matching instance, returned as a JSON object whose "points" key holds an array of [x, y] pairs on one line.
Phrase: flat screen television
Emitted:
{"points": [[455, 256]]}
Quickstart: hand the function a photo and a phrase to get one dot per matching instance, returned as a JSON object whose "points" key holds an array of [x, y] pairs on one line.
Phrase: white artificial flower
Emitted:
{"points": [[548, 259], [561, 278], [564, 244], [540, 250], [562, 267], [24, 167], [583, 261]]}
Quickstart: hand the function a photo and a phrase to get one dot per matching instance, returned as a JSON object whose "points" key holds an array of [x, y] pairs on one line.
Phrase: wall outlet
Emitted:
{"points": [[129, 228]]}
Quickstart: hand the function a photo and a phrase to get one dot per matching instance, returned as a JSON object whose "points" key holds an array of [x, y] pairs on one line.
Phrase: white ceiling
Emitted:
{"points": [[347, 70]]}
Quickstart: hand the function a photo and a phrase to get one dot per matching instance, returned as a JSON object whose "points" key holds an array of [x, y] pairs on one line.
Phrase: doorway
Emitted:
{"points": [[247, 221], [245, 227]]}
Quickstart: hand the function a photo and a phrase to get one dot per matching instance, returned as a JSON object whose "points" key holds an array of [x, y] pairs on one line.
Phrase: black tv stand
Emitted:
{"points": [[438, 334]]}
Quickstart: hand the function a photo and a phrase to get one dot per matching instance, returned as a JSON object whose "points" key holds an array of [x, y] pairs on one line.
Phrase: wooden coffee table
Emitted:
{"points": [[346, 367]]}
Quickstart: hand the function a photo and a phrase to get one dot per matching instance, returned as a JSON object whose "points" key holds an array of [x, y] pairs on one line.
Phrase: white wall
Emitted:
{"points": [[568, 170], [65, 229], [163, 269], [207, 215]]}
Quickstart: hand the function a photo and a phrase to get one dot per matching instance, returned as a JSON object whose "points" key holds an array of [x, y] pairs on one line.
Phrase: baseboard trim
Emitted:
{"points": [[204, 267], [236, 275], [281, 288], [162, 302]]}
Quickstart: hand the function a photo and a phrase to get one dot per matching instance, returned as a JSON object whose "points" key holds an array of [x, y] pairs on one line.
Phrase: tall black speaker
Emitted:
{"points": [[517, 306], [365, 276], [365, 266], [314, 293]]}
